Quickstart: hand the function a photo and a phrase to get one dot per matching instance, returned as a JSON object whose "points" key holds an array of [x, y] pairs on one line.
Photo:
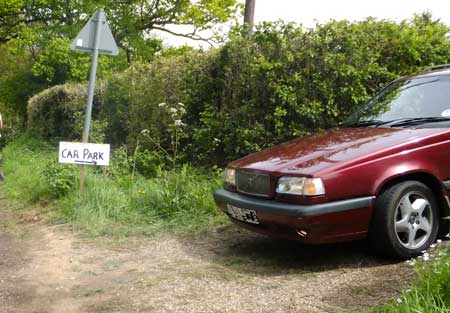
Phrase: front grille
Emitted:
{"points": [[253, 183]]}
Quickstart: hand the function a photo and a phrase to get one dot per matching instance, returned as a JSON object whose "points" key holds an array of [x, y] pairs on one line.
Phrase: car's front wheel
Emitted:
{"points": [[405, 220]]}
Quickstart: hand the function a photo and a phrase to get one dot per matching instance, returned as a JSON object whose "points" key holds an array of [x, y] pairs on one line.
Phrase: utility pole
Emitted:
{"points": [[249, 15]]}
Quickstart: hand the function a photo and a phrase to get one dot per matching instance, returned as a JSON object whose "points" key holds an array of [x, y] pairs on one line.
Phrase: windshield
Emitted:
{"points": [[408, 98]]}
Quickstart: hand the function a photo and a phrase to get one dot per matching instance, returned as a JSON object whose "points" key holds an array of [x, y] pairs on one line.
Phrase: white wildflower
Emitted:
{"points": [[173, 110], [399, 300], [439, 241], [179, 123], [180, 104], [162, 104]]}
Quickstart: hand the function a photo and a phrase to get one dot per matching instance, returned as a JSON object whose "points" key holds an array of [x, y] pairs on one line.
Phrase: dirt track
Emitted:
{"points": [[50, 269]]}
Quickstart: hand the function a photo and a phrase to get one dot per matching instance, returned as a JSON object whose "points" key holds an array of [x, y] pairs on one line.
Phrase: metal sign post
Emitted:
{"points": [[95, 37]]}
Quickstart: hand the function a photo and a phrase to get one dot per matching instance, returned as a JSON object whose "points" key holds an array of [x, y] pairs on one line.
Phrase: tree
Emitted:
{"points": [[39, 33], [249, 15], [131, 21]]}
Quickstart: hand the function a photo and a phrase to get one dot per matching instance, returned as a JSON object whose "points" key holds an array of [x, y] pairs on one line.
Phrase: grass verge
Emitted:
{"points": [[431, 293], [113, 203]]}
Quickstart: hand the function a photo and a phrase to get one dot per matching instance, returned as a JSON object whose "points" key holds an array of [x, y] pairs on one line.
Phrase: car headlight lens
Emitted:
{"points": [[230, 176], [300, 186]]}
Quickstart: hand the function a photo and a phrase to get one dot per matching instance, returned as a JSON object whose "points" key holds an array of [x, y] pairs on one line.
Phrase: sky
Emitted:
{"points": [[306, 12], [309, 12]]}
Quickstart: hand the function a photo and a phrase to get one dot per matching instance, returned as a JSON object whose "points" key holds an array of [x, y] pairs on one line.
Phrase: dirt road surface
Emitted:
{"points": [[54, 270]]}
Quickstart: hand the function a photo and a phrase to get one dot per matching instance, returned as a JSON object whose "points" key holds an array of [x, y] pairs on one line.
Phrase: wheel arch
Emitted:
{"points": [[432, 182]]}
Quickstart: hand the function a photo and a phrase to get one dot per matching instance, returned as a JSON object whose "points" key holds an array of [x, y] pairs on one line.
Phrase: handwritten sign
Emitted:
{"points": [[84, 153]]}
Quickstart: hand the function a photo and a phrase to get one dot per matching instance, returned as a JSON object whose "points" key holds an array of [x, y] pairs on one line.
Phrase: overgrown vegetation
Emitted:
{"points": [[431, 293], [261, 88], [184, 106], [115, 200], [35, 37], [54, 112]]}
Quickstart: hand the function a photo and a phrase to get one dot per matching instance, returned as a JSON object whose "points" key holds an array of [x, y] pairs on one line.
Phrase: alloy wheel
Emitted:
{"points": [[413, 220]]}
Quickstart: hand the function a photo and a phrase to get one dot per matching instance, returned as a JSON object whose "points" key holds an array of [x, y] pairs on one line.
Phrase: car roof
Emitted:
{"points": [[425, 73], [432, 73]]}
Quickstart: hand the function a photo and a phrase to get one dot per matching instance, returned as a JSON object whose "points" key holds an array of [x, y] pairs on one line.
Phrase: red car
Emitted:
{"points": [[384, 175]]}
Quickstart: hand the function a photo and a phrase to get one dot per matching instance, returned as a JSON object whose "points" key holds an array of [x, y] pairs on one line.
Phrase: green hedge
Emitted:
{"points": [[264, 87], [58, 112]]}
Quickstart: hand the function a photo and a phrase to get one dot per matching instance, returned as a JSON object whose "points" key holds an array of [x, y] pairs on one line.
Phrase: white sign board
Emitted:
{"points": [[84, 153]]}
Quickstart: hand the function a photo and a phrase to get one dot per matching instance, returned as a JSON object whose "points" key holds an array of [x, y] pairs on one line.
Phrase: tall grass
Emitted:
{"points": [[431, 293], [23, 164], [178, 199]]}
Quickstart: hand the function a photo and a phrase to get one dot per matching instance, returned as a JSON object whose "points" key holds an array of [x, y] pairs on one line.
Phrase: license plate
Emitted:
{"points": [[244, 215]]}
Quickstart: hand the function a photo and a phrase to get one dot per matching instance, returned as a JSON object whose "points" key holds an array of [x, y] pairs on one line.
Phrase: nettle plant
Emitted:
{"points": [[173, 115]]}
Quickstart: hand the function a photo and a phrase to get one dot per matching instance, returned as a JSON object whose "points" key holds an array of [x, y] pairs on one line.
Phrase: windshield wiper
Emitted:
{"points": [[374, 123], [419, 120], [363, 123]]}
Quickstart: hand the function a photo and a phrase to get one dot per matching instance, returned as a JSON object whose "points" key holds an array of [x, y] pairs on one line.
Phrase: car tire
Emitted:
{"points": [[405, 220], [444, 228]]}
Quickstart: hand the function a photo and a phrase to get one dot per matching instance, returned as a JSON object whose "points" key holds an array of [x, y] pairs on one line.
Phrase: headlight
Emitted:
{"points": [[300, 186], [230, 176]]}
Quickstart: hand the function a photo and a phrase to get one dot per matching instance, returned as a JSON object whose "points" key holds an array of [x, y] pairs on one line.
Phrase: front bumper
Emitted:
{"points": [[327, 222]]}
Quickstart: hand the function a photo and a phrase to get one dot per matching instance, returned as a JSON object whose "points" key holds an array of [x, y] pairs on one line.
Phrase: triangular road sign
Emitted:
{"points": [[85, 40]]}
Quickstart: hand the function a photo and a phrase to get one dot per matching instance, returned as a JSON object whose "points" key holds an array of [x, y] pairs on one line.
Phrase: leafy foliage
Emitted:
{"points": [[59, 179], [174, 199], [35, 38], [263, 87], [46, 27], [270, 85], [58, 112], [16, 74]]}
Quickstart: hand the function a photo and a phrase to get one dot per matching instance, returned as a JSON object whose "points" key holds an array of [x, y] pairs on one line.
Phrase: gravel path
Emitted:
{"points": [[51, 269]]}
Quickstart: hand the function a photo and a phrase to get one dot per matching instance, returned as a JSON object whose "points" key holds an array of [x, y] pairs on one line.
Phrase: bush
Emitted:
{"points": [[282, 81], [133, 102], [8, 135], [261, 88], [59, 178], [147, 163], [58, 112], [278, 82]]}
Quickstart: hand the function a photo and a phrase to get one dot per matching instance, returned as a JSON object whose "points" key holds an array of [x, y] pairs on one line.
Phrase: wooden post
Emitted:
{"points": [[249, 15]]}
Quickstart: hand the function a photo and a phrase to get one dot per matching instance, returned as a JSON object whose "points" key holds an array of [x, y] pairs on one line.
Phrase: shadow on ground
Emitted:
{"points": [[243, 251]]}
